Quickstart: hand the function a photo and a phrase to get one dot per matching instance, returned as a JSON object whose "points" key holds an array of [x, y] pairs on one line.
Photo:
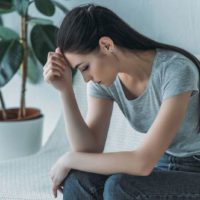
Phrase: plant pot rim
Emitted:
{"points": [[32, 113]]}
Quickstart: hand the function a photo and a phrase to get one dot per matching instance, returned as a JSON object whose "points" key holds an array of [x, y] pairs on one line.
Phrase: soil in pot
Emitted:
{"points": [[12, 114]]}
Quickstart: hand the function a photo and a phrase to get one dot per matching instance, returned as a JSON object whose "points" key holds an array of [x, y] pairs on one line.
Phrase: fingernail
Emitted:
{"points": [[58, 50]]}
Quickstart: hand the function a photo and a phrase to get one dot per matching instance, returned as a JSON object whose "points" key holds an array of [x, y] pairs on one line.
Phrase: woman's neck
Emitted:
{"points": [[136, 66]]}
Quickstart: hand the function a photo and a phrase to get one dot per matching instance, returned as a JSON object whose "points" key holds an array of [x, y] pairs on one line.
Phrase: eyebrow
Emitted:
{"points": [[78, 65]]}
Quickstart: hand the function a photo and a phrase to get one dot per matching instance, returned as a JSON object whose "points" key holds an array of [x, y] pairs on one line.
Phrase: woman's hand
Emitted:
{"points": [[56, 71], [59, 172]]}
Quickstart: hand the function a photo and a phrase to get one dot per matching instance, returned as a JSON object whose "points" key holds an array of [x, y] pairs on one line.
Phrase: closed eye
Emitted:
{"points": [[86, 67]]}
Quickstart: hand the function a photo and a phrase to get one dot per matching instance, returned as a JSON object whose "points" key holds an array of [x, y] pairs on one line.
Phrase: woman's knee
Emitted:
{"points": [[83, 185], [75, 176], [119, 186]]}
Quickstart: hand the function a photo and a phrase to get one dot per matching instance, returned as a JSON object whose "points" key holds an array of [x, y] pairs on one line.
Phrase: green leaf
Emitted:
{"points": [[45, 7], [35, 20], [1, 21], [43, 40], [6, 6], [7, 34], [59, 5], [22, 6], [33, 70], [11, 60], [3, 47]]}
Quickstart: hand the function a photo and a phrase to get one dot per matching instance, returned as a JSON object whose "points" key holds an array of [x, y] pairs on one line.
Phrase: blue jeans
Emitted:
{"points": [[173, 178]]}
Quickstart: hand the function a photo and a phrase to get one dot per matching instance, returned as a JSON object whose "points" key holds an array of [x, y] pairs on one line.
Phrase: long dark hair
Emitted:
{"points": [[83, 26]]}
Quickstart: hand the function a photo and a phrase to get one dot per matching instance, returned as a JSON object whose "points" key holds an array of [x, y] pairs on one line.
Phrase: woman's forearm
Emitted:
{"points": [[107, 163], [78, 134]]}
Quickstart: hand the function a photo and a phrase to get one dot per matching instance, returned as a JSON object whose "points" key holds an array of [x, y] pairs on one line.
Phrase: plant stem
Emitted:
{"points": [[24, 27], [4, 115]]}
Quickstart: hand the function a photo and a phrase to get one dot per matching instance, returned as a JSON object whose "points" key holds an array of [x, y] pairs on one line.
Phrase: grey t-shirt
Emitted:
{"points": [[172, 73]]}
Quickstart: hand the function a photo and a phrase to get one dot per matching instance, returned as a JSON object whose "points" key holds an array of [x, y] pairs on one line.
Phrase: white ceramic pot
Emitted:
{"points": [[20, 138]]}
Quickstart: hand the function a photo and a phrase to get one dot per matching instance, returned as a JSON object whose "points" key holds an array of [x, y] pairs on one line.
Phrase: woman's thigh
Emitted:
{"points": [[173, 178], [159, 185], [81, 185]]}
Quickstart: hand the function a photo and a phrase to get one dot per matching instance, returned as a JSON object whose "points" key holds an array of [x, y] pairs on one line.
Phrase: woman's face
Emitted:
{"points": [[98, 67]]}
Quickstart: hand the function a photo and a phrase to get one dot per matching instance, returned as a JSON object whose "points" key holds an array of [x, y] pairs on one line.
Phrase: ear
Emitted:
{"points": [[106, 45]]}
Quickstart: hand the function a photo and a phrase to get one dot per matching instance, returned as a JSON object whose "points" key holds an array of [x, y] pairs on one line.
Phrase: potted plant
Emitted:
{"points": [[21, 128]]}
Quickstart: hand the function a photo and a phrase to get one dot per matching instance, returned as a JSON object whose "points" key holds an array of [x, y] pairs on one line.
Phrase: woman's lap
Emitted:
{"points": [[159, 184], [178, 180]]}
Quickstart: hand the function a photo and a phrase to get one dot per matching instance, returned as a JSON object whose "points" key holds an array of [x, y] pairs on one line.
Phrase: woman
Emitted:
{"points": [[157, 88]]}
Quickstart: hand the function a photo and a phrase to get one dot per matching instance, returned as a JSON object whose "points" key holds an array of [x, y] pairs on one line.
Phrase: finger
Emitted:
{"points": [[58, 50], [58, 60], [50, 53], [55, 67], [54, 190], [51, 76], [60, 190], [61, 186], [57, 55]]}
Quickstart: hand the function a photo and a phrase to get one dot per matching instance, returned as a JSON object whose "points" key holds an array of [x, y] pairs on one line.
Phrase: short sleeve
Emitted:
{"points": [[99, 91], [178, 77]]}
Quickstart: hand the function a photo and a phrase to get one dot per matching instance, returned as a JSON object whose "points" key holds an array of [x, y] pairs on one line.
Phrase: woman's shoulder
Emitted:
{"points": [[175, 60], [168, 56]]}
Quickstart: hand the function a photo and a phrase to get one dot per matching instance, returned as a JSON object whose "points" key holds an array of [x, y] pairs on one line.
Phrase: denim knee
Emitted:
{"points": [[117, 187], [81, 185]]}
